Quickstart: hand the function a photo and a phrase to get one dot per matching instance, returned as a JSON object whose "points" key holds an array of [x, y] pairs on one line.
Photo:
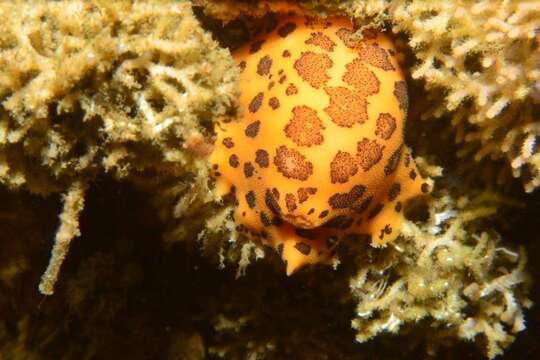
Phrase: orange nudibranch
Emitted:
{"points": [[318, 153]]}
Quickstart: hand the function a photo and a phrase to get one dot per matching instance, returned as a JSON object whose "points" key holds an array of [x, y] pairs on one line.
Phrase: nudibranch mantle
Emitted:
{"points": [[318, 153]]}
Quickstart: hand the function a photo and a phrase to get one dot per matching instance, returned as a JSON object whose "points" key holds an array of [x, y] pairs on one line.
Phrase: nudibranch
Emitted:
{"points": [[318, 153]]}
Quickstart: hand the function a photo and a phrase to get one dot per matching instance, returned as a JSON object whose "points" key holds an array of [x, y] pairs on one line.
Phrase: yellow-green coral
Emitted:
{"points": [[442, 269], [89, 88], [484, 57]]}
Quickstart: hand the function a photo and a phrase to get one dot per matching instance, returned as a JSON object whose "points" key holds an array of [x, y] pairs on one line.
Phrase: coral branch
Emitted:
{"points": [[67, 231]]}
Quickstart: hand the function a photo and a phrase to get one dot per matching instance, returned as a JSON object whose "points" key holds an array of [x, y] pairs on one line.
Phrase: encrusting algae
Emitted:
{"points": [[319, 153], [127, 112]]}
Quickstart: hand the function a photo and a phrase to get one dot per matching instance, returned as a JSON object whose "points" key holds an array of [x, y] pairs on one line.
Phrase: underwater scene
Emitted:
{"points": [[251, 179]]}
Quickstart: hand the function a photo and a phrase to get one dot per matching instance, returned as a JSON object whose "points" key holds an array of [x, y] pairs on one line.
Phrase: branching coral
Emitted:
{"points": [[483, 58], [449, 271], [88, 88]]}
